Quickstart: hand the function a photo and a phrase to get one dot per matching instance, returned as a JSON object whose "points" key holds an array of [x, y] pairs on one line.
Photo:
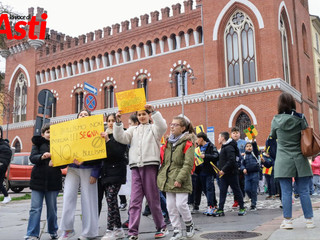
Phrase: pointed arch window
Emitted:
{"points": [[240, 52], [108, 95], [20, 99], [243, 121], [17, 146], [285, 50]]}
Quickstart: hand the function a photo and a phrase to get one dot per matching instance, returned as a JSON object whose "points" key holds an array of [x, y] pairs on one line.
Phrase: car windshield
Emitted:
{"points": [[18, 160]]}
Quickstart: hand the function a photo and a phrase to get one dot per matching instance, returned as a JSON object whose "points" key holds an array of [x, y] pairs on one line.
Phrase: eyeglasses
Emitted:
{"points": [[174, 125]]}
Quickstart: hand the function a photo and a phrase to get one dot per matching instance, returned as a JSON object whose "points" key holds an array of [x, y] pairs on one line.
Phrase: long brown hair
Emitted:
{"points": [[186, 124], [286, 103]]}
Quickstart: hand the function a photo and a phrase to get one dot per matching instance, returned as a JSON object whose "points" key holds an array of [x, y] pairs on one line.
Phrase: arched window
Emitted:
{"points": [[78, 100], [243, 121], [173, 41], [305, 38], [20, 99], [240, 50], [149, 48], [17, 146], [285, 50], [180, 80], [200, 34], [142, 82], [108, 95]]}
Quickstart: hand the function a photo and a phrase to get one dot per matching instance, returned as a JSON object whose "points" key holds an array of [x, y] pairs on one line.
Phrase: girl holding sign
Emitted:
{"points": [[84, 175], [144, 160], [113, 174]]}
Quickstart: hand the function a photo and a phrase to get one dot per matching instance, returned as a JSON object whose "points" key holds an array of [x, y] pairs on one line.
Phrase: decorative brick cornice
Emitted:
{"points": [[276, 84]]}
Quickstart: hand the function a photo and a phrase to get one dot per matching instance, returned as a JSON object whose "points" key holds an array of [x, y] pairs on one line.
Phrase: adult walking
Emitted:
{"points": [[5, 157], [286, 126]]}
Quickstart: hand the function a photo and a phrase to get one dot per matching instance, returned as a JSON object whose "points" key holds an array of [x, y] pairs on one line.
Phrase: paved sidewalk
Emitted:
{"points": [[265, 221]]}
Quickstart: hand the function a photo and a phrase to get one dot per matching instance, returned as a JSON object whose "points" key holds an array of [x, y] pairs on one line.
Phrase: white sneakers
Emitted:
{"points": [[177, 234], [309, 223], [286, 224], [114, 235], [6, 199]]}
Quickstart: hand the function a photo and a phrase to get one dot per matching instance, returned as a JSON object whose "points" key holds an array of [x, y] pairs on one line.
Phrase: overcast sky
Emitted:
{"points": [[74, 18]]}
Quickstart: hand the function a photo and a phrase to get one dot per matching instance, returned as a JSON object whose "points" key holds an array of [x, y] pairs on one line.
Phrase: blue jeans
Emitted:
{"points": [[36, 208], [251, 186], [302, 188], [207, 183]]}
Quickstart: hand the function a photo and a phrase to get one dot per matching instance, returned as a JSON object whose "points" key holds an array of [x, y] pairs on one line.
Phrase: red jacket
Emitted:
{"points": [[316, 166]]}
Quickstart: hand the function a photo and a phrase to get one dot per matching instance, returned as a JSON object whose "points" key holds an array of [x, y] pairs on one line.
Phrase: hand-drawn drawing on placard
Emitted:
{"points": [[77, 139]]}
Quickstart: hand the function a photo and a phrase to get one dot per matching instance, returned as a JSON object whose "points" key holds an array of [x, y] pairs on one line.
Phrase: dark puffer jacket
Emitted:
{"points": [[227, 158], [211, 154], [250, 160], [43, 177], [5, 155], [114, 167]]}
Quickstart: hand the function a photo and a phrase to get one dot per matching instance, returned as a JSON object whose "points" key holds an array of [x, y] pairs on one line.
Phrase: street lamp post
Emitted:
{"points": [[184, 72]]}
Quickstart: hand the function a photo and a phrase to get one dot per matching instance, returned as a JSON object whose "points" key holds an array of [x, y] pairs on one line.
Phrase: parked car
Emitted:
{"points": [[19, 173]]}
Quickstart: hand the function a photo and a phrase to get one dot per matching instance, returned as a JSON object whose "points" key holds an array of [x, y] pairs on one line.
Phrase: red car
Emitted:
{"points": [[19, 173]]}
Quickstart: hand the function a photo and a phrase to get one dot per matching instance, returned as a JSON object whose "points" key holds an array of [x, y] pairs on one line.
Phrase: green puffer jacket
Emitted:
{"points": [[177, 166]]}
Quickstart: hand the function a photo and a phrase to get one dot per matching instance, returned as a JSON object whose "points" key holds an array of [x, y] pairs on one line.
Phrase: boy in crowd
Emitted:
{"points": [[250, 166], [241, 143], [229, 173], [209, 153]]}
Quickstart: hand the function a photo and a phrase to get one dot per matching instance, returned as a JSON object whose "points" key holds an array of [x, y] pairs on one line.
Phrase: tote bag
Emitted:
{"points": [[310, 142]]}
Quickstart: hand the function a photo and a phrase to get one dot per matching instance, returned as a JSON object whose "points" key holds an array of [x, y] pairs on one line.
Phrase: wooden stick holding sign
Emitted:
{"points": [[77, 139], [131, 100]]}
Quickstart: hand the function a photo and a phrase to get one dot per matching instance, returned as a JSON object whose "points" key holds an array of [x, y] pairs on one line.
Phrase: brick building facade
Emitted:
{"points": [[240, 54]]}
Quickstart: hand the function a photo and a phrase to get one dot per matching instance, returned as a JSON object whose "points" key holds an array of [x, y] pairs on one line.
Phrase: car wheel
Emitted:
{"points": [[6, 184], [17, 189]]}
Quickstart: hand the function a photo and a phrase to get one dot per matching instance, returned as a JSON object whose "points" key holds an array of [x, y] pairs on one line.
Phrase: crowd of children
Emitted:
{"points": [[169, 168]]}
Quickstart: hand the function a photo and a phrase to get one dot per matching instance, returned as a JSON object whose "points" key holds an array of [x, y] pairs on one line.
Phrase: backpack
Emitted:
{"points": [[186, 147]]}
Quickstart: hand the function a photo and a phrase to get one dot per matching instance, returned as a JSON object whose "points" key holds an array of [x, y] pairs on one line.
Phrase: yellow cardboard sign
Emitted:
{"points": [[77, 139], [199, 129], [131, 100]]}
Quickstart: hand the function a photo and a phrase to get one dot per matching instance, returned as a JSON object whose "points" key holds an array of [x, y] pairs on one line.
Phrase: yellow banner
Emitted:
{"points": [[131, 100], [77, 139]]}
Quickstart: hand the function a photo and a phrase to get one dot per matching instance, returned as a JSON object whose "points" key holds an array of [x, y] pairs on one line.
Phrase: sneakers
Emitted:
{"points": [[177, 234], [190, 230], [253, 208], [286, 224], [218, 213], [209, 211], [118, 233], [6, 199], [125, 225], [67, 235], [309, 223], [54, 236], [132, 237], [235, 204], [31, 238], [195, 209], [242, 212], [161, 233], [123, 207], [109, 235]]}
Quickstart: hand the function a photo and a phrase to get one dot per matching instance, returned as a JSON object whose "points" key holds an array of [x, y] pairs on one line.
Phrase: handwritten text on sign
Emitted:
{"points": [[77, 139], [131, 100]]}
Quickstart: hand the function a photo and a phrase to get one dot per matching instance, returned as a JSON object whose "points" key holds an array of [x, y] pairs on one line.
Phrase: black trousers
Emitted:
{"points": [[232, 181]]}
